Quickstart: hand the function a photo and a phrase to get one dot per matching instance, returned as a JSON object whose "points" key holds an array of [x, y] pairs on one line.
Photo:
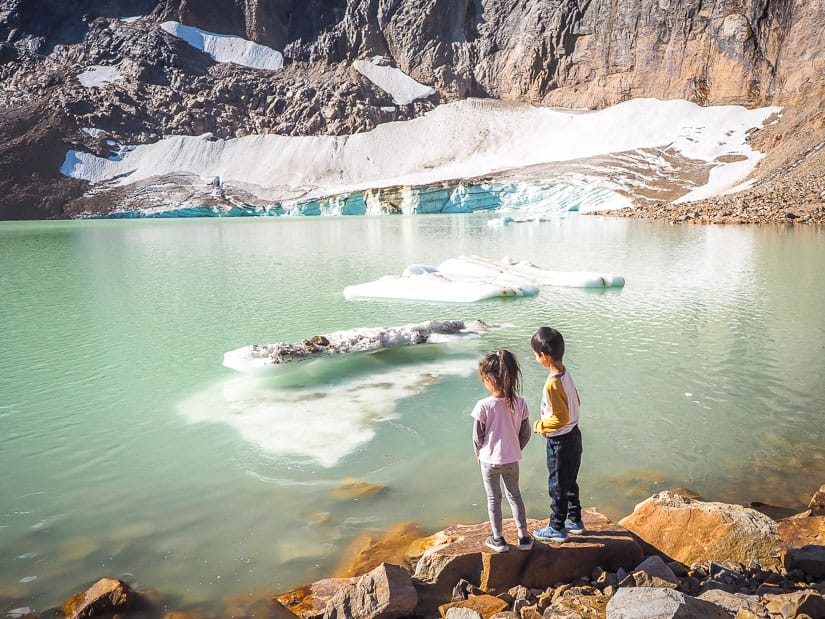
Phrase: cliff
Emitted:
{"points": [[571, 53]]}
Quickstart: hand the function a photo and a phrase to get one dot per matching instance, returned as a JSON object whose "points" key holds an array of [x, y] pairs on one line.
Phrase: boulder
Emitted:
{"points": [[660, 603], [797, 532], [652, 572], [810, 559], [459, 552], [693, 531], [734, 602], [384, 593], [310, 601], [107, 596], [798, 603], [484, 605]]}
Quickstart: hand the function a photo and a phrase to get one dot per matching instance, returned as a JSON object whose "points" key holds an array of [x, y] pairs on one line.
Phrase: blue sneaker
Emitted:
{"points": [[549, 534], [574, 528]]}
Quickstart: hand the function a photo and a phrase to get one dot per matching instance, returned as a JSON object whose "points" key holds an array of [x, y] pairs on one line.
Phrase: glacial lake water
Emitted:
{"points": [[128, 450]]}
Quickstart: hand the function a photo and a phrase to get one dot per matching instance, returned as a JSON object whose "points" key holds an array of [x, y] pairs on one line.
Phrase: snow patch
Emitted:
{"points": [[98, 75], [227, 48], [401, 87]]}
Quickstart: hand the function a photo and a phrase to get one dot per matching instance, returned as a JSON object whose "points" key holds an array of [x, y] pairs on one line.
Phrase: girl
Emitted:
{"points": [[500, 431]]}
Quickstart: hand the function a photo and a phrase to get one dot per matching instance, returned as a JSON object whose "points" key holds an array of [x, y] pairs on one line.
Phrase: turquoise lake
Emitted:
{"points": [[128, 450]]}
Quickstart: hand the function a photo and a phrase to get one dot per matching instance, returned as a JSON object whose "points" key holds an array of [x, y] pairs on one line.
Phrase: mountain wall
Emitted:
{"points": [[575, 53]]}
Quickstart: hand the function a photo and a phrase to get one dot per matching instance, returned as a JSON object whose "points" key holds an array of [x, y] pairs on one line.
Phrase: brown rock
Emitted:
{"points": [[106, 596], [576, 603], [351, 490], [733, 602], [485, 605], [311, 600], [799, 532], [384, 593], [367, 552], [693, 531], [459, 552], [817, 504]]}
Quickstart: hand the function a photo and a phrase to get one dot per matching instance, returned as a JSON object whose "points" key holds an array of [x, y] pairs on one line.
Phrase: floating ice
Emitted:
{"points": [[396, 83], [471, 278], [98, 75], [227, 48], [475, 266], [321, 423], [368, 339]]}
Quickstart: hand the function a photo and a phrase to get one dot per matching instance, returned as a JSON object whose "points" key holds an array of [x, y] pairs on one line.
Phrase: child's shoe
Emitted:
{"points": [[496, 543], [549, 534], [574, 528], [525, 542]]}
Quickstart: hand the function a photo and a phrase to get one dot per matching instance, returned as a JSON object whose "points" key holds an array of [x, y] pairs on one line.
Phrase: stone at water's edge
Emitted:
{"points": [[695, 531], [459, 552], [310, 601], [386, 592], [106, 596]]}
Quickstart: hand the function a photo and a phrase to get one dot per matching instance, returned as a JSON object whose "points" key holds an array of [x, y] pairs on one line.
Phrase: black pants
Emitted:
{"points": [[564, 455]]}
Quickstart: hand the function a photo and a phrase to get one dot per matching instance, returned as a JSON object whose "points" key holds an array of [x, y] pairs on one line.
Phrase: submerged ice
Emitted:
{"points": [[321, 423]]}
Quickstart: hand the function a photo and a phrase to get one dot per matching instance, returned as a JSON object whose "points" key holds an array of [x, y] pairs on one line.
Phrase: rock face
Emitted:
{"points": [[459, 552], [564, 52], [693, 531]]}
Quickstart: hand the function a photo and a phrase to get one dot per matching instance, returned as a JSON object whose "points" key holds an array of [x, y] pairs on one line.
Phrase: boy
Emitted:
{"points": [[559, 424]]}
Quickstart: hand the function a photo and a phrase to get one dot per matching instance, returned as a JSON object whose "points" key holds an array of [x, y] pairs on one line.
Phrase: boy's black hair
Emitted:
{"points": [[548, 341]]}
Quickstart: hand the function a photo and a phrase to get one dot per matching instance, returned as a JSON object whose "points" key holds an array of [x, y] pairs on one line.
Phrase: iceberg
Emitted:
{"points": [[367, 339], [472, 278]]}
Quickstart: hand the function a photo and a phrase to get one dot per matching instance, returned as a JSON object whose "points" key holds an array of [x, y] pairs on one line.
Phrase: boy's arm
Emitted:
{"points": [[559, 411]]}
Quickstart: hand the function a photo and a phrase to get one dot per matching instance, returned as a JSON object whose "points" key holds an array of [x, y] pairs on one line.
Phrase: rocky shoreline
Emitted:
{"points": [[676, 555]]}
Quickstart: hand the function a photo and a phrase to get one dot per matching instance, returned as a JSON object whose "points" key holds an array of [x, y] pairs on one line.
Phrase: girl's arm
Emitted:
{"points": [[524, 433], [479, 432]]}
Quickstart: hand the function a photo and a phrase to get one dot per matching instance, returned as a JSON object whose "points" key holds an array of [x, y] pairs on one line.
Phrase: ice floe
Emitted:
{"points": [[96, 76], [472, 278], [396, 83], [366, 339], [227, 48]]}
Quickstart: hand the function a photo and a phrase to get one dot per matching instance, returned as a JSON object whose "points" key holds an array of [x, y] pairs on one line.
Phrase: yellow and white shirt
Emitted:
{"points": [[559, 406]]}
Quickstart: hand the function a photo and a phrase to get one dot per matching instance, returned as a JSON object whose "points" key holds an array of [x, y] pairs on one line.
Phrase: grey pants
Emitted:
{"points": [[492, 474]]}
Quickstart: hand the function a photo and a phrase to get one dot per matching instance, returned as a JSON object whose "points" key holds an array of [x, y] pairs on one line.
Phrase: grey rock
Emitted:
{"points": [[462, 612], [660, 603], [810, 559], [732, 602]]}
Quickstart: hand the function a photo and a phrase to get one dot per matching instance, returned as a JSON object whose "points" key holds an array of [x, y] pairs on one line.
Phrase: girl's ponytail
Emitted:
{"points": [[503, 369]]}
